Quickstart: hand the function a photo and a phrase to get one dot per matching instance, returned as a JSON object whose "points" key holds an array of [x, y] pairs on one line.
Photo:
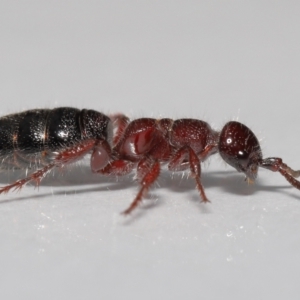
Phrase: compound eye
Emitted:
{"points": [[239, 147]]}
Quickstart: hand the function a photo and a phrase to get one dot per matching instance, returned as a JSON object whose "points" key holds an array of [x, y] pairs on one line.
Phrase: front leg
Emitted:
{"points": [[185, 158]]}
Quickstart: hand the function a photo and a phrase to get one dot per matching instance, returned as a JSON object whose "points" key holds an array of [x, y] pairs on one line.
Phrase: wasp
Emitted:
{"points": [[43, 139]]}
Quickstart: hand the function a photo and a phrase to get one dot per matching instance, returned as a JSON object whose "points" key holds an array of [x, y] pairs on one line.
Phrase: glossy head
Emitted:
{"points": [[240, 148]]}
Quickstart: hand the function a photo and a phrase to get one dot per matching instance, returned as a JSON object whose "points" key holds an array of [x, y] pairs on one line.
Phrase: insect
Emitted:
{"points": [[43, 139]]}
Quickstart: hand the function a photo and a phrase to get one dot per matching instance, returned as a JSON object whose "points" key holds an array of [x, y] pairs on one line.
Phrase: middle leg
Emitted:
{"points": [[148, 172]]}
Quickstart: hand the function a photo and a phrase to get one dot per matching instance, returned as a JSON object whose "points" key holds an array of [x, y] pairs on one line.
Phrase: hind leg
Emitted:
{"points": [[63, 158]]}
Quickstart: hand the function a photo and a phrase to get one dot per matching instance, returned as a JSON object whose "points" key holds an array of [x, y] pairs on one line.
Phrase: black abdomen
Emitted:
{"points": [[24, 136]]}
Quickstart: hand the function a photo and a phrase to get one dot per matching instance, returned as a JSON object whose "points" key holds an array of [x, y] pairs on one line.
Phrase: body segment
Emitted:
{"points": [[35, 136]]}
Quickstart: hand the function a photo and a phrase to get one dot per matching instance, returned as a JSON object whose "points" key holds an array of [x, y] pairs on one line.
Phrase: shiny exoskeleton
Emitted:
{"points": [[45, 139], [36, 136]]}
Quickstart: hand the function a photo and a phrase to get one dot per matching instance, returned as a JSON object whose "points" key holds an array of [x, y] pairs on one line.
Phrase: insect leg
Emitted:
{"points": [[150, 172], [63, 158], [184, 158], [118, 167], [36, 176], [207, 151], [195, 167], [179, 161]]}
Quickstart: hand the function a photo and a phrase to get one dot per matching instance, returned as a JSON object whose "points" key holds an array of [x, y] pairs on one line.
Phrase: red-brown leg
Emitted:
{"points": [[208, 150], [63, 158], [117, 167], [36, 176], [184, 158], [179, 161], [195, 167], [151, 174]]}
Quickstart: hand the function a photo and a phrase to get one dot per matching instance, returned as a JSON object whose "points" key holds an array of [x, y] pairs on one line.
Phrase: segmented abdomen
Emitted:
{"points": [[31, 137]]}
